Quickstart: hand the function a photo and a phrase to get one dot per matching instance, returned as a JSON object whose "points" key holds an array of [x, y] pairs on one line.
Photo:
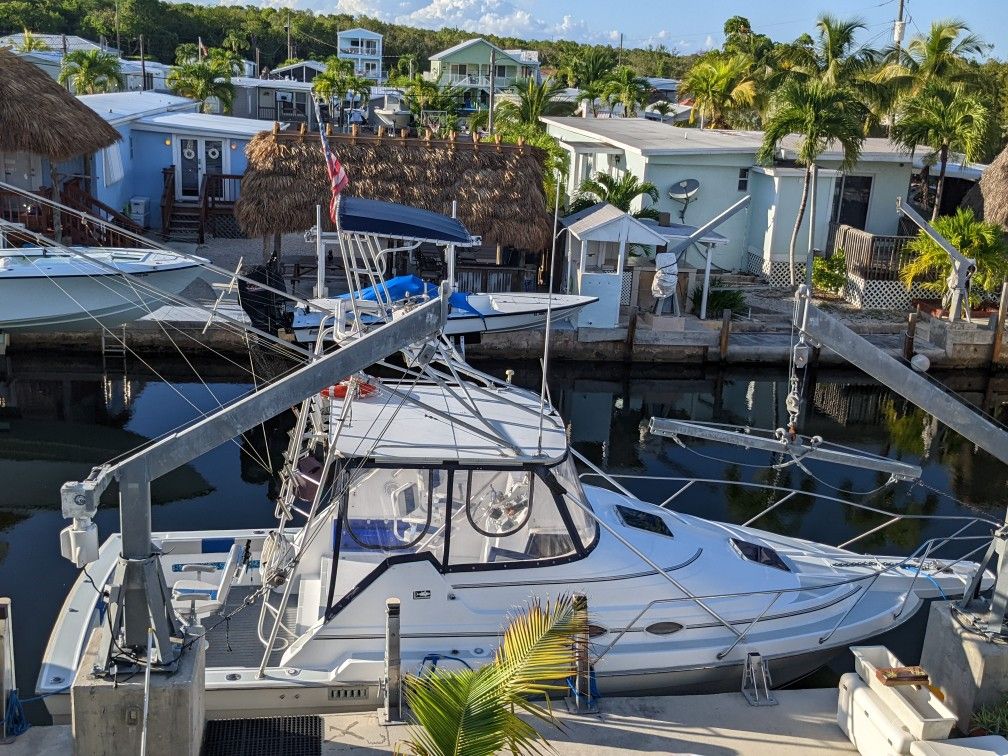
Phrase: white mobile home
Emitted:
{"points": [[724, 164]]}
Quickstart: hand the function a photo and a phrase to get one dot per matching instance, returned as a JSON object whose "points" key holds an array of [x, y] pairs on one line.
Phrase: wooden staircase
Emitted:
{"points": [[183, 222]]}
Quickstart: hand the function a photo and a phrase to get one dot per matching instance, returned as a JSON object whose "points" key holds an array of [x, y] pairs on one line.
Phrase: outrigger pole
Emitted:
{"points": [[139, 596]]}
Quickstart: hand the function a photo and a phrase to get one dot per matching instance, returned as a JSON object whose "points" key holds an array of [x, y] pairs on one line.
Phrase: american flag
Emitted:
{"points": [[338, 179]]}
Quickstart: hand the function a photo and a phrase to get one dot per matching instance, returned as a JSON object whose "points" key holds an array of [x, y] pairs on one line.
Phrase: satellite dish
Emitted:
{"points": [[683, 192]]}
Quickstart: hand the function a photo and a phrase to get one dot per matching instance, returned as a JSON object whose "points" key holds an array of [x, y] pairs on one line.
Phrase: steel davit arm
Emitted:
{"points": [[80, 498], [960, 417]]}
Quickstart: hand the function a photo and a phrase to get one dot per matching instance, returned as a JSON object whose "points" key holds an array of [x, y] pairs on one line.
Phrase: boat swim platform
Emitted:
{"points": [[723, 724]]}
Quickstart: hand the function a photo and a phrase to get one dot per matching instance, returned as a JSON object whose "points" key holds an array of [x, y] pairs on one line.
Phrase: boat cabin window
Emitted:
{"points": [[505, 516], [396, 511]]}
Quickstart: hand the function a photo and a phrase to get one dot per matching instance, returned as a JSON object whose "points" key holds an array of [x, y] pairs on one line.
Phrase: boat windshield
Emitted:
{"points": [[491, 516]]}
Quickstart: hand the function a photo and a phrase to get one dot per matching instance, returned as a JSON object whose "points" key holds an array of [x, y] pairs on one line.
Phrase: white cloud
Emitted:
{"points": [[709, 43]]}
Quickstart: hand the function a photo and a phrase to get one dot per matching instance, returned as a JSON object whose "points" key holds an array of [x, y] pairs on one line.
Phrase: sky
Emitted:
{"points": [[686, 25]]}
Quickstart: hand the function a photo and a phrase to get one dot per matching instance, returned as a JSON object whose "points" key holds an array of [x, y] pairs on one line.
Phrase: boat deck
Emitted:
{"points": [[235, 643]]}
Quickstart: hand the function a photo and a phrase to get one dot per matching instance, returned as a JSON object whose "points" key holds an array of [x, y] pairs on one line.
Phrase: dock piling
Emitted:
{"points": [[999, 329], [392, 707], [908, 336], [726, 317]]}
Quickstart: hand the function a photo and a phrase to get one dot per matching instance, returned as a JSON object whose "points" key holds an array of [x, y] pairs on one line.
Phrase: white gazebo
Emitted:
{"points": [[597, 242]]}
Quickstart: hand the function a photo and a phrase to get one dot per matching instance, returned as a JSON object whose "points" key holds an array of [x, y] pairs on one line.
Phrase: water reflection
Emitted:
{"points": [[60, 415]]}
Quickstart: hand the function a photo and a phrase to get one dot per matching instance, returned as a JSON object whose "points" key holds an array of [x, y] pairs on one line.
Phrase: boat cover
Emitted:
{"points": [[368, 216], [402, 286]]}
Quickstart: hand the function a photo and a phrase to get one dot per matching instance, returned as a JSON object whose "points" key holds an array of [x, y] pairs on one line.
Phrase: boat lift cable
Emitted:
{"points": [[147, 242], [51, 243]]}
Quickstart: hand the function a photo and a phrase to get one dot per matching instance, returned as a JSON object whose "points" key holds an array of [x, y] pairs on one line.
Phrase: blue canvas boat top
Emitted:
{"points": [[369, 216], [402, 286]]}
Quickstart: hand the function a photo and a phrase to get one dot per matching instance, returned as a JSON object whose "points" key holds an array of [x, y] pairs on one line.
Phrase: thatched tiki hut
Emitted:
{"points": [[40, 117], [989, 197], [498, 187]]}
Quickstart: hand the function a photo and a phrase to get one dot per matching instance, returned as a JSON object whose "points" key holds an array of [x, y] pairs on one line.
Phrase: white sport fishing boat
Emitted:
{"points": [[458, 494], [361, 223], [71, 288], [463, 500]]}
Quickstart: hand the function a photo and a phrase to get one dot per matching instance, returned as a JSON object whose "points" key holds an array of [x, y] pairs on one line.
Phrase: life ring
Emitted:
{"points": [[339, 391]]}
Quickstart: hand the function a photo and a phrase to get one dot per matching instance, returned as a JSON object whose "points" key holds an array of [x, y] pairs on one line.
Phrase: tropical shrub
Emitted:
{"points": [[993, 718], [718, 300], [830, 273], [466, 712], [983, 242]]}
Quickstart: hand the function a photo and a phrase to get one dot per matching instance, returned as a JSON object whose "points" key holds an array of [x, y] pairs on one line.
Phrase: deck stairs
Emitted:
{"points": [[184, 222]]}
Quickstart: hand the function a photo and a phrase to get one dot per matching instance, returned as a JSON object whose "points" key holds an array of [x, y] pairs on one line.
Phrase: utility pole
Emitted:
{"points": [[290, 53], [143, 67], [898, 28], [493, 76], [619, 59], [118, 44]]}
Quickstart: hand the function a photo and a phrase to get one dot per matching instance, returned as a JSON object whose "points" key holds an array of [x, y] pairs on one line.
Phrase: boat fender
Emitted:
{"points": [[340, 390]]}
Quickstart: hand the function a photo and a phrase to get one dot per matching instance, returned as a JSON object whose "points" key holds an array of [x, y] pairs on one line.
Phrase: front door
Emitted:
{"points": [[196, 157]]}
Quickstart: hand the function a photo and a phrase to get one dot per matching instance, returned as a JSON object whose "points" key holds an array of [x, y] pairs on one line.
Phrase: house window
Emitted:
{"points": [[743, 179], [501, 72], [850, 200]]}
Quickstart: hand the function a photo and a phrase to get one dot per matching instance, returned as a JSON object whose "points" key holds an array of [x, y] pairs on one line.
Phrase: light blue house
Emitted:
{"points": [[725, 167], [170, 156]]}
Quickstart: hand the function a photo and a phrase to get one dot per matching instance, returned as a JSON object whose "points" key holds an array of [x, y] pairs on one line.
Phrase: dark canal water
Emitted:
{"points": [[60, 415]]}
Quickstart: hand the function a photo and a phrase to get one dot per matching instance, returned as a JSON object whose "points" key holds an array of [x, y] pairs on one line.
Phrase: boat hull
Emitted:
{"points": [[498, 313], [81, 301]]}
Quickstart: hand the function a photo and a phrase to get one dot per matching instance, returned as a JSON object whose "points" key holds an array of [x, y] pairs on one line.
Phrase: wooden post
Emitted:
{"points": [[631, 336], [908, 337], [999, 329], [725, 332], [582, 664]]}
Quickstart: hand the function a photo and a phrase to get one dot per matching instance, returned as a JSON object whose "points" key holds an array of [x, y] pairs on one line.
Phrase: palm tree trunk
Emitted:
{"points": [[798, 222], [56, 218], [941, 182]]}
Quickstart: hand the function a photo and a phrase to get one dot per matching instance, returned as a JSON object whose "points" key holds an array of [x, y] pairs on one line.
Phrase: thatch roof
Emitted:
{"points": [[37, 115], [499, 188], [989, 197]]}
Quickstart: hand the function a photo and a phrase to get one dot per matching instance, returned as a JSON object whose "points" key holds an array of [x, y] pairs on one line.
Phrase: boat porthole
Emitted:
{"points": [[664, 628], [232, 676], [596, 631], [56, 680], [293, 672]]}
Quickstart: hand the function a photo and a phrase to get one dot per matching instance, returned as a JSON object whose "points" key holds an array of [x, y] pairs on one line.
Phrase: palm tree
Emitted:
{"points": [[625, 87], [946, 119], [201, 81], [820, 114], [226, 59], [662, 108], [621, 192], [91, 72], [719, 86], [474, 712], [535, 99], [977, 240], [835, 58], [942, 55], [360, 88], [31, 43], [588, 72]]}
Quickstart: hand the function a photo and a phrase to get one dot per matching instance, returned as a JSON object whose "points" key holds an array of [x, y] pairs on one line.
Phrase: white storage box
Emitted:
{"points": [[918, 708], [138, 210], [987, 745], [867, 722]]}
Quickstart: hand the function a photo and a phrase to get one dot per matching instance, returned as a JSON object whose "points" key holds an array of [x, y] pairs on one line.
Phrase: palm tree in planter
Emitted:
{"points": [[91, 72], [619, 192], [947, 119], [202, 80], [820, 114], [473, 712], [977, 240]]}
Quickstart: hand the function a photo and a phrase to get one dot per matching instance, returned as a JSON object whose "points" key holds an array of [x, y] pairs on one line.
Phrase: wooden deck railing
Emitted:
{"points": [[872, 256], [167, 199], [218, 194], [489, 279]]}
